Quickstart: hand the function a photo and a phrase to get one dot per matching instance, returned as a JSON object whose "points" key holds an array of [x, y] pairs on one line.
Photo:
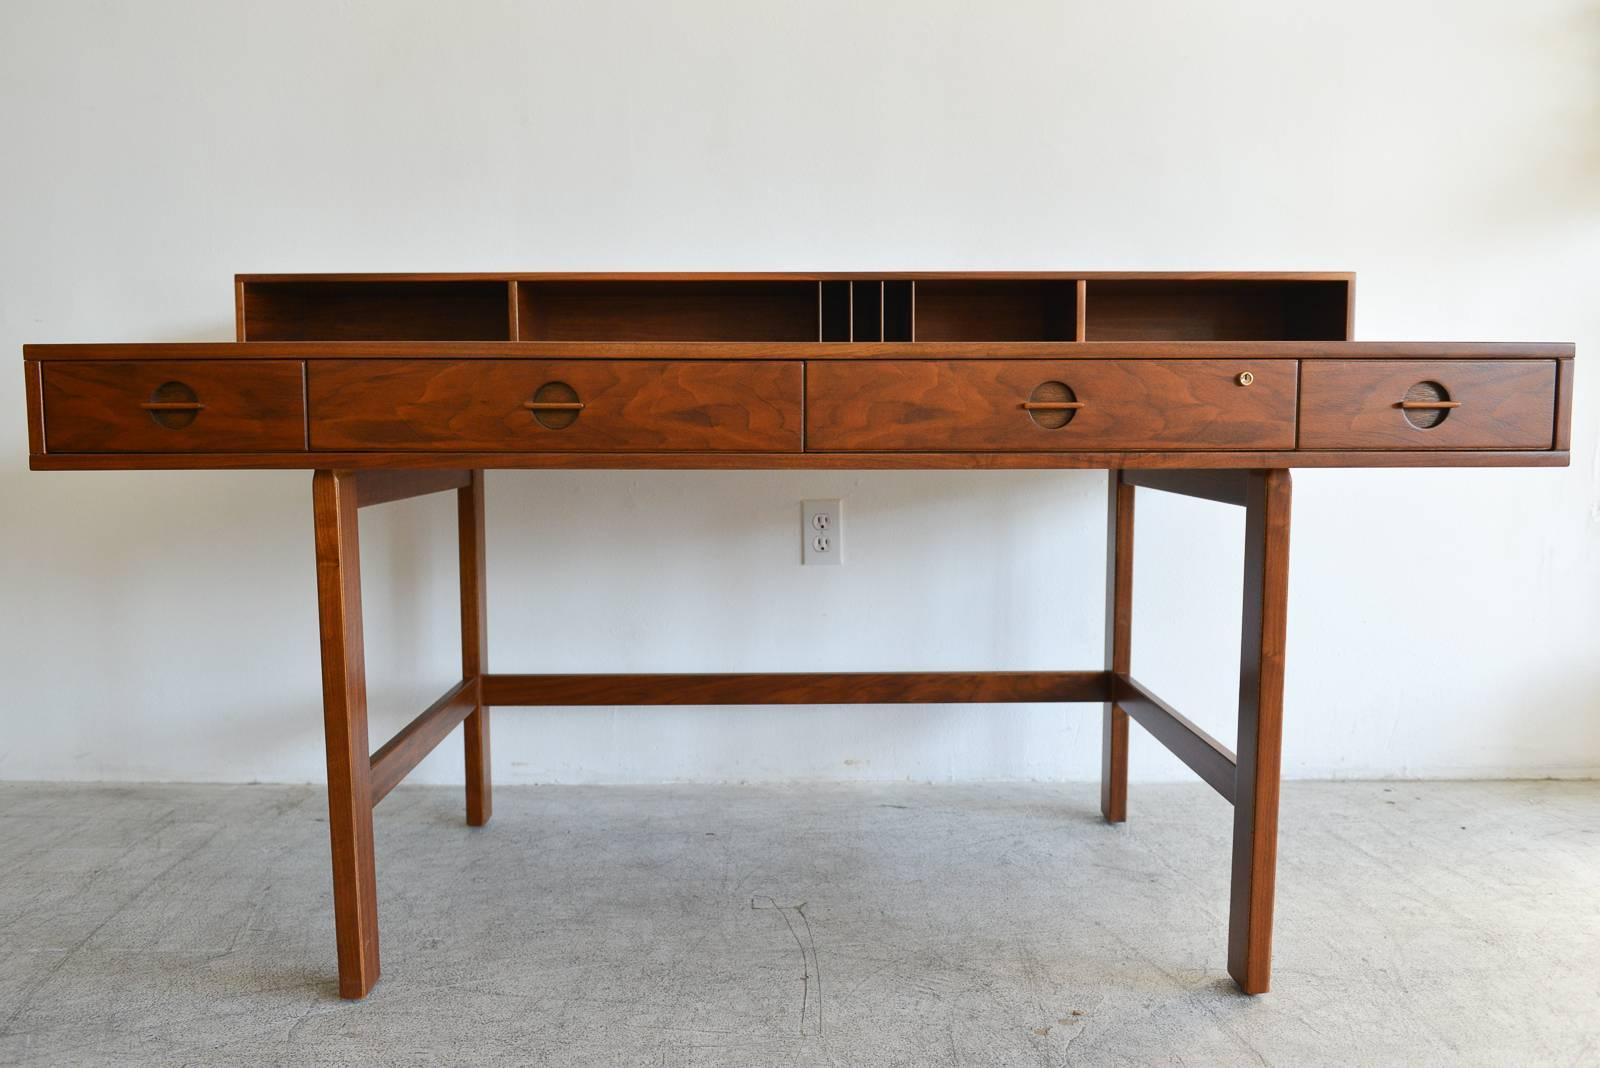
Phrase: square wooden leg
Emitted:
{"points": [[474, 647], [1255, 807], [344, 704], [1119, 634]]}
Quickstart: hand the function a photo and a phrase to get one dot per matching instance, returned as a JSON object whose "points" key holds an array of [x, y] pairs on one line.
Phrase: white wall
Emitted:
{"points": [[162, 625]]}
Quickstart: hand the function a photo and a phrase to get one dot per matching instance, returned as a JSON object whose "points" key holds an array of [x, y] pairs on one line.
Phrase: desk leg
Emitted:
{"points": [[344, 708], [1119, 632], [1255, 807], [474, 647]]}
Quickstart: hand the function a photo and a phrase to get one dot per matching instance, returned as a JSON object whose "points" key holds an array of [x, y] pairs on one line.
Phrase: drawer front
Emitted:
{"points": [[1470, 404], [174, 406], [979, 405], [576, 405]]}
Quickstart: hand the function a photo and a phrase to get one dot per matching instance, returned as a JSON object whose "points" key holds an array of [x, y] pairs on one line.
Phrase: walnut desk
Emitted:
{"points": [[388, 386]]}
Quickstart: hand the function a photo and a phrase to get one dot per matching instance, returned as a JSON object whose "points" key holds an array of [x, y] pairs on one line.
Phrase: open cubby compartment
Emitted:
{"points": [[668, 310], [995, 309], [1216, 310], [337, 310]]}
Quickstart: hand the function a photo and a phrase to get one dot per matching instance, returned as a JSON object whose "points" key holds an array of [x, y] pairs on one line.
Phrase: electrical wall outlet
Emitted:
{"points": [[821, 532]]}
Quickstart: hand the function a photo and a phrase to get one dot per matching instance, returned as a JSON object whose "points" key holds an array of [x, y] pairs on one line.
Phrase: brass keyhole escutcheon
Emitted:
{"points": [[1246, 377], [555, 405], [173, 405], [1052, 393]]}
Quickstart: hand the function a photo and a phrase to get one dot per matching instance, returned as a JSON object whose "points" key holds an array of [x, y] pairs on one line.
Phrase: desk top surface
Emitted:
{"points": [[781, 370]]}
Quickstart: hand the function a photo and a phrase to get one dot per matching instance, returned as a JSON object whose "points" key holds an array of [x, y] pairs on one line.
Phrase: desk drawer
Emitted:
{"points": [[174, 406], [576, 405], [979, 405], [1471, 404]]}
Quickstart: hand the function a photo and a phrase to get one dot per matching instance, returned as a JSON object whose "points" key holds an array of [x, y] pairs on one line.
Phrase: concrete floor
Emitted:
{"points": [[1443, 923]]}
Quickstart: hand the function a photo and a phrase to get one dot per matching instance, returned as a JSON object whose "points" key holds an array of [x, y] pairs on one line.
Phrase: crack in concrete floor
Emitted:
{"points": [[990, 924]]}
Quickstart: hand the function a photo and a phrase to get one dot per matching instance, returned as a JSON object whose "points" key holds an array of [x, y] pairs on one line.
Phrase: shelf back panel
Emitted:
{"points": [[1242, 310], [375, 311], [668, 311], [959, 309]]}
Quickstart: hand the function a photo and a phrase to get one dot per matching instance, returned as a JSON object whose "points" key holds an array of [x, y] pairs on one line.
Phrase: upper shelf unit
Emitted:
{"points": [[808, 308]]}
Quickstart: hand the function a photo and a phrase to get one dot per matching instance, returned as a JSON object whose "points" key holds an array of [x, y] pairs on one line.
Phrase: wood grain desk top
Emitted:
{"points": [[782, 370]]}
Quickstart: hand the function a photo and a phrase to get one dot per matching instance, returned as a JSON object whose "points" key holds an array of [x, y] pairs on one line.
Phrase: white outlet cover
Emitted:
{"points": [[822, 532]]}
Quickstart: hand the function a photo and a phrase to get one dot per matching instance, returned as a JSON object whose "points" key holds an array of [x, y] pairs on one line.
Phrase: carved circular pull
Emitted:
{"points": [[173, 405], [1246, 377], [1426, 405], [1052, 405], [555, 405]]}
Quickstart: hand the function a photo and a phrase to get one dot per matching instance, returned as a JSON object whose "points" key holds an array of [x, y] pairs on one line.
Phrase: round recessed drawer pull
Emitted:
{"points": [[173, 405], [1052, 405], [555, 405], [1426, 404], [1245, 378]]}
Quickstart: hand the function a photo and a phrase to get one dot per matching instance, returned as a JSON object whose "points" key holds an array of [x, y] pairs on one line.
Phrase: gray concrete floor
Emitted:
{"points": [[1442, 923]]}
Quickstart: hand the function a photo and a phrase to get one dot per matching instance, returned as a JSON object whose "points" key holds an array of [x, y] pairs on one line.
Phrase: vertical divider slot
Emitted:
{"points": [[833, 311], [866, 311], [897, 310]]}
